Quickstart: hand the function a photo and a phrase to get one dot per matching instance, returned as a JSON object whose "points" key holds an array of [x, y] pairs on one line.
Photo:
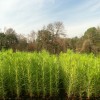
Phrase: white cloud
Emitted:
{"points": [[6, 5], [26, 15], [78, 29], [95, 7], [23, 15]]}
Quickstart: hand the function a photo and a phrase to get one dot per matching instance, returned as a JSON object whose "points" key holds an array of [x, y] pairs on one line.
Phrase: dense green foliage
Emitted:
{"points": [[42, 73]]}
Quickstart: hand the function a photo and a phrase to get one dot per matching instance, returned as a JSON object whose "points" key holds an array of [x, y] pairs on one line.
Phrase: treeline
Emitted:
{"points": [[52, 38]]}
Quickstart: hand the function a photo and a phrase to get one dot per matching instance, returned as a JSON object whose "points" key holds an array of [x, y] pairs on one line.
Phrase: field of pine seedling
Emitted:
{"points": [[42, 75]]}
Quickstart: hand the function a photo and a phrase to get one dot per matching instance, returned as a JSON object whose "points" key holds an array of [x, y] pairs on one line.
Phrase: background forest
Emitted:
{"points": [[52, 38]]}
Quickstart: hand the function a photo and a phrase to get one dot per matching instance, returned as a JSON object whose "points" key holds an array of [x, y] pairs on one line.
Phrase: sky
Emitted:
{"points": [[27, 15]]}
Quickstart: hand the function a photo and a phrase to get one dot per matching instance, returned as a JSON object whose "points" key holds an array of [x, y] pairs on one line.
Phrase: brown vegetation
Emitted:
{"points": [[52, 38]]}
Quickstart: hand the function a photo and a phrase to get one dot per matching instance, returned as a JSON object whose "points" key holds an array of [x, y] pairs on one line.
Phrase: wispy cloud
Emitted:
{"points": [[27, 15], [96, 7]]}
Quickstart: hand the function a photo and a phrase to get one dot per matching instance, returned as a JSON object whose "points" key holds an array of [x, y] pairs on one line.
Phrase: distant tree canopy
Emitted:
{"points": [[91, 40], [52, 38], [49, 38], [8, 39]]}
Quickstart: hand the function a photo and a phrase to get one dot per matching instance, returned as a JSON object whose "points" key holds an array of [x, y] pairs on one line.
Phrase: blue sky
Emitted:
{"points": [[27, 15]]}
